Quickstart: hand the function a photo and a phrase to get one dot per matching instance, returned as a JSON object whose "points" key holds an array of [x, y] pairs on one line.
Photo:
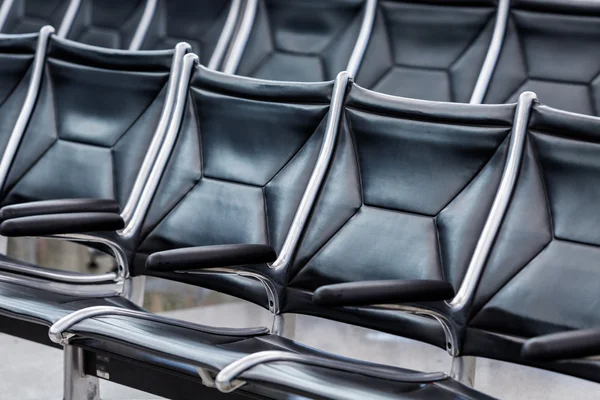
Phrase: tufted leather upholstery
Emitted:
{"points": [[107, 23], [551, 48], [27, 16], [16, 59], [542, 274], [196, 22], [94, 118], [300, 40], [244, 155], [430, 50]]}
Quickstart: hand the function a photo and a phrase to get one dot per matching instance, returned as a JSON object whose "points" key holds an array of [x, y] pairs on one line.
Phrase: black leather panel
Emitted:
{"points": [[427, 50], [541, 275], [197, 22], [91, 126], [54, 224], [300, 40], [107, 23], [535, 35], [58, 207], [28, 16]]}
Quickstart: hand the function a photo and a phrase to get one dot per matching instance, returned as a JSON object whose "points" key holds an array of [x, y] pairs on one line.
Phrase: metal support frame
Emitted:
{"points": [[464, 370], [364, 37], [69, 18], [226, 34], [5, 12], [284, 325], [239, 43], [78, 385], [144, 25]]}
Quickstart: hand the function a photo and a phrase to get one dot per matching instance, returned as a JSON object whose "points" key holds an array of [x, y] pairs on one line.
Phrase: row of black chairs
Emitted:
{"points": [[478, 51], [469, 227]]}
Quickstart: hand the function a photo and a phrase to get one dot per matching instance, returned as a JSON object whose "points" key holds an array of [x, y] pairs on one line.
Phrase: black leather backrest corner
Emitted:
{"points": [[301, 40], [197, 22], [407, 193], [428, 50], [17, 53], [243, 158], [551, 48], [107, 23], [27, 16], [542, 274], [91, 126]]}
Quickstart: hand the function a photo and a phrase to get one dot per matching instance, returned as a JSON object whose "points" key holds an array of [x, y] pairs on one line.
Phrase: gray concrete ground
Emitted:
{"points": [[29, 371]]}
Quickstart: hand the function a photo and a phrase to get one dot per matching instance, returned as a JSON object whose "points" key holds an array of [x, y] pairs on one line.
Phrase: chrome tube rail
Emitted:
{"points": [[5, 10], [69, 18], [239, 43], [227, 380], [58, 332], [226, 34], [492, 224], [364, 37], [143, 26], [489, 65]]}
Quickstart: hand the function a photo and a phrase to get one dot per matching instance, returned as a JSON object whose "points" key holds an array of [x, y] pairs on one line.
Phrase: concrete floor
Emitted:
{"points": [[29, 371]]}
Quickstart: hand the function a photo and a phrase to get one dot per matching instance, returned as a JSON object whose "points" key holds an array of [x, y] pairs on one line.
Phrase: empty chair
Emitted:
{"points": [[551, 48], [432, 50], [27, 16], [199, 23], [295, 40]]}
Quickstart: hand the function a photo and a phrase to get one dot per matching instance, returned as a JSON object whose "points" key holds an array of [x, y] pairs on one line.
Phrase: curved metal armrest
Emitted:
{"points": [[58, 331], [226, 379], [563, 346]]}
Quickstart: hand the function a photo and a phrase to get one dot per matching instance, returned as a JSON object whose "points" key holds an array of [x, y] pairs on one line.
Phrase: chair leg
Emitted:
{"points": [[77, 385], [464, 369], [284, 325]]}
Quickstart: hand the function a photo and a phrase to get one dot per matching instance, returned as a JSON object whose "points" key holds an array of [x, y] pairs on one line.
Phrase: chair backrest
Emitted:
{"points": [[407, 194], [107, 23], [199, 23], [301, 40], [551, 48], [431, 50], [242, 160], [542, 274], [17, 53], [27, 16], [95, 116]]}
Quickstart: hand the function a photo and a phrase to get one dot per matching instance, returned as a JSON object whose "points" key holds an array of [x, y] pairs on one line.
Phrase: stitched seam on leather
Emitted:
{"points": [[592, 99], [339, 34], [10, 187], [542, 181], [521, 48], [472, 42], [439, 248], [262, 62], [12, 91], [266, 211], [356, 158]]}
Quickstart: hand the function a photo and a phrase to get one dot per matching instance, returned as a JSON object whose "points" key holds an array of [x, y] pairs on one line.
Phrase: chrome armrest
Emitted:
{"points": [[227, 380], [58, 331]]}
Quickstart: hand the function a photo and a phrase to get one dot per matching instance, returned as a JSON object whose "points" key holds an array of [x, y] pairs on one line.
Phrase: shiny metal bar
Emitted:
{"points": [[67, 22], [226, 380], [492, 224], [142, 29], [32, 95], [464, 370], [132, 220], [5, 12], [364, 37], [162, 148], [239, 43], [489, 65], [230, 23], [77, 385]]}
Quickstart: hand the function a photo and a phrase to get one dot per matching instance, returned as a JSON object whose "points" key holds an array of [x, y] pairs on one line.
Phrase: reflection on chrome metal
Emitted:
{"points": [[5, 10], [464, 369], [239, 43], [32, 95], [221, 48], [58, 331], [155, 145], [363, 37], [318, 174], [226, 379], [67, 22], [148, 186], [500, 204], [78, 385], [489, 65], [207, 379], [142, 29], [284, 325]]}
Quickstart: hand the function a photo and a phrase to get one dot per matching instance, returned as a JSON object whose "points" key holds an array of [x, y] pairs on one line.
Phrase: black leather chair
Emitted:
{"points": [[27, 16], [551, 48], [293, 40], [199, 23], [431, 50]]}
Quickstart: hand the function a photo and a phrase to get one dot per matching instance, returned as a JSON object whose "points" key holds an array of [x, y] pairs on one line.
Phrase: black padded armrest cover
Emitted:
{"points": [[220, 256], [59, 207], [53, 224], [563, 346], [368, 293]]}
